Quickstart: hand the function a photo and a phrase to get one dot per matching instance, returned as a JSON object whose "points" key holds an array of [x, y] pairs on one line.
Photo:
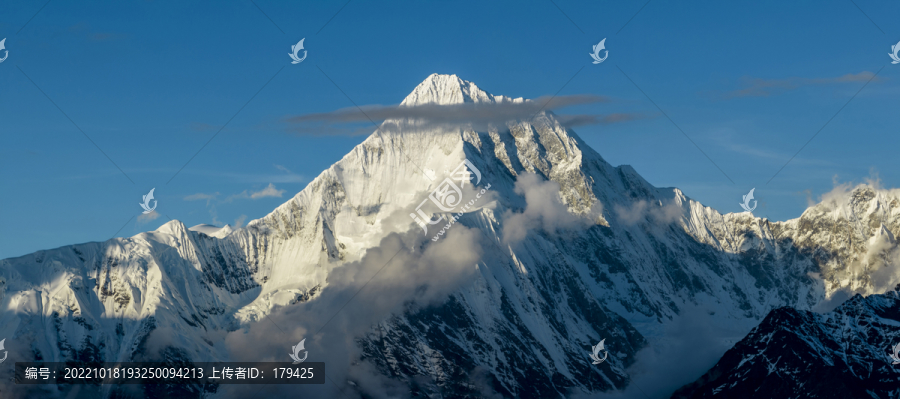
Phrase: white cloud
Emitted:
{"points": [[544, 209], [644, 210], [146, 217], [692, 344], [269, 191], [213, 199], [403, 270], [759, 87]]}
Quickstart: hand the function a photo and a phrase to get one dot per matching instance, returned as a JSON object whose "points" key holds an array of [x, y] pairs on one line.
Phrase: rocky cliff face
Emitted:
{"points": [[624, 260], [800, 354]]}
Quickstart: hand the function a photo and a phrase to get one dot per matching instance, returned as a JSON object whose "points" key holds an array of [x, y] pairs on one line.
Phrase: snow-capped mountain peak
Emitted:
{"points": [[630, 261], [449, 90]]}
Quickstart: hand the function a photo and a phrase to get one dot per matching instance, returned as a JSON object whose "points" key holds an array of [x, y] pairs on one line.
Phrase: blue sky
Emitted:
{"points": [[151, 82]]}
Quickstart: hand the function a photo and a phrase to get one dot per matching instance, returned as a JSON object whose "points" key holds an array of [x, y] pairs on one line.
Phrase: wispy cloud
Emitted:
{"points": [[759, 87], [201, 196], [479, 116], [454, 113], [276, 178], [544, 210], [642, 210], [774, 155], [402, 273], [214, 199], [269, 191], [732, 140], [146, 217], [582, 120]]}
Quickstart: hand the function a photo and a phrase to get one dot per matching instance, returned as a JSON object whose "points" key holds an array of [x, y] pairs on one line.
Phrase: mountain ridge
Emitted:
{"points": [[842, 353], [633, 260]]}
